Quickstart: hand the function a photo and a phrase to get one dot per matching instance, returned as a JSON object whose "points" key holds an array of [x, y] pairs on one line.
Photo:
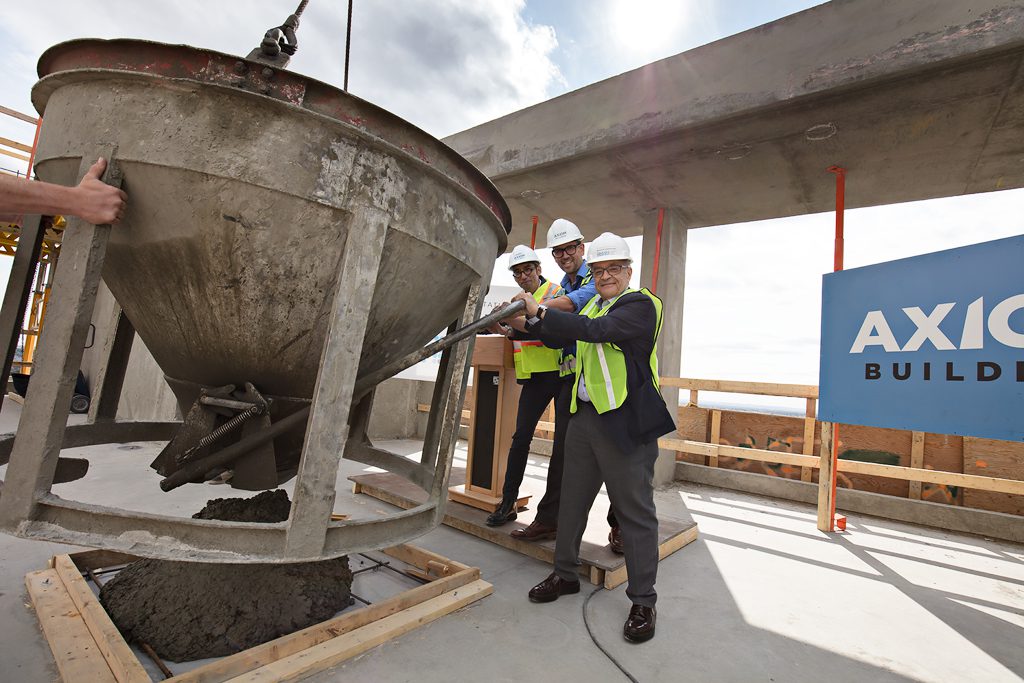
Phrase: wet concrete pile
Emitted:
{"points": [[187, 610]]}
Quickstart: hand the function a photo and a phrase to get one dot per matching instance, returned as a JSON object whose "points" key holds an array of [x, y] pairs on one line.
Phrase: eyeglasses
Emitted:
{"points": [[523, 272], [559, 252], [614, 270]]}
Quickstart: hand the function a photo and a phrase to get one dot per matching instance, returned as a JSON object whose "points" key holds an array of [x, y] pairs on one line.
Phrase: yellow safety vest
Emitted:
{"points": [[603, 365], [530, 355]]}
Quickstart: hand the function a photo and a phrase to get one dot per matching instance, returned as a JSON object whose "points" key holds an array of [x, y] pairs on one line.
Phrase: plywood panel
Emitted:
{"points": [[992, 458], [692, 424]]}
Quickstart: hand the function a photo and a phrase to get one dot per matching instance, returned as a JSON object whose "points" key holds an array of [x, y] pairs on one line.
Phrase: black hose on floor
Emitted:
{"points": [[586, 622]]}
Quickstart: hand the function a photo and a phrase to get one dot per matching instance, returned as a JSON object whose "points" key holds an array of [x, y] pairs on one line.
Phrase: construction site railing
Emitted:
{"points": [[916, 474]]}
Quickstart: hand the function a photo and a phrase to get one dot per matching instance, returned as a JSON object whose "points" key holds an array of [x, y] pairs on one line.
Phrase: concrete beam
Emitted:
{"points": [[917, 99]]}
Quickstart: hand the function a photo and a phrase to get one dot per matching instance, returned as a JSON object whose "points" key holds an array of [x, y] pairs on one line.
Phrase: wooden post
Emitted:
{"points": [[716, 434], [917, 462], [808, 449], [825, 490]]}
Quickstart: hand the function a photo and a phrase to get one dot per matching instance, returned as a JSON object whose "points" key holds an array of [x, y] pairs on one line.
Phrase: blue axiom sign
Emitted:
{"points": [[933, 343]]}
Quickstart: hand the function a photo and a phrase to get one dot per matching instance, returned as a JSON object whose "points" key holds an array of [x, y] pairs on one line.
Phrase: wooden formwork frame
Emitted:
{"points": [[88, 647]]}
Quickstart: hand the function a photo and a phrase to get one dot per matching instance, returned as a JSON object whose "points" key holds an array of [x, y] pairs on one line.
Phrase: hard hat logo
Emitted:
{"points": [[562, 232], [522, 254], [608, 247]]}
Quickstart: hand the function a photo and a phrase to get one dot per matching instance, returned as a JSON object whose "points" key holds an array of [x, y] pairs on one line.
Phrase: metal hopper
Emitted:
{"points": [[283, 241]]}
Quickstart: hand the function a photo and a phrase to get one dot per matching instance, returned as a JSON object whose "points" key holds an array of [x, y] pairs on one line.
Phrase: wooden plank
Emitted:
{"points": [[989, 457], [419, 557], [19, 157], [916, 461], [732, 387], [716, 435], [16, 145], [74, 649], [617, 577], [18, 115], [115, 650], [720, 450], [294, 643], [694, 396], [806, 473], [343, 647], [935, 477], [825, 479]]}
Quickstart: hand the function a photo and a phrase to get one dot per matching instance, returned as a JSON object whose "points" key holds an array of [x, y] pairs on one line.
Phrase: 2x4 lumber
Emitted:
{"points": [[15, 145], [825, 491], [418, 557], [733, 387], [343, 647], [809, 422], [707, 449], [614, 578], [119, 657], [15, 155], [294, 643], [716, 433], [971, 481], [916, 461], [74, 649], [18, 115]]}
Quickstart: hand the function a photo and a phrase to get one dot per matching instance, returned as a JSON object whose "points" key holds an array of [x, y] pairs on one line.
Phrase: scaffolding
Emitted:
{"points": [[10, 235]]}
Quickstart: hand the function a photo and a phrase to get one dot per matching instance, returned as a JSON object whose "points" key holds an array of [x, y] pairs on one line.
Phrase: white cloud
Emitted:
{"points": [[444, 65]]}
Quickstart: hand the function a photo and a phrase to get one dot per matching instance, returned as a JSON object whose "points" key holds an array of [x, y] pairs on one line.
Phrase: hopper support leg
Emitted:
{"points": [[33, 464], [328, 427]]}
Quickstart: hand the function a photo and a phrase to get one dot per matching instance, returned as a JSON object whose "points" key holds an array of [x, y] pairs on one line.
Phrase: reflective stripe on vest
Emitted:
{"points": [[532, 356], [603, 366]]}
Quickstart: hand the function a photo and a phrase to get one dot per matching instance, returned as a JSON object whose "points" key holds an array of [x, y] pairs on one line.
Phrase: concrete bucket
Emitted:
{"points": [[284, 247]]}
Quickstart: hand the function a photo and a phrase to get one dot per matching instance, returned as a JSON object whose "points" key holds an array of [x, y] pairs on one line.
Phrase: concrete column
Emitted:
{"points": [[669, 287]]}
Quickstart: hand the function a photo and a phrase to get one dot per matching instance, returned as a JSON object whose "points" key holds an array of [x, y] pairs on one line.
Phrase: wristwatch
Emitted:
{"points": [[540, 314]]}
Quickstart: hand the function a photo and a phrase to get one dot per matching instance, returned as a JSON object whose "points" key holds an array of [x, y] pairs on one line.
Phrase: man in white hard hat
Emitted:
{"points": [[617, 416], [566, 243], [539, 374]]}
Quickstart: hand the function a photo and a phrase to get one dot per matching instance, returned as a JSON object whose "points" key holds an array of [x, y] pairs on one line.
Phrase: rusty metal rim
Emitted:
{"points": [[215, 68]]}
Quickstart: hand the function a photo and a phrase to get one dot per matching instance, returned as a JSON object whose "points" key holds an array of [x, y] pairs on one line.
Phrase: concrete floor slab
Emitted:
{"points": [[761, 595]]}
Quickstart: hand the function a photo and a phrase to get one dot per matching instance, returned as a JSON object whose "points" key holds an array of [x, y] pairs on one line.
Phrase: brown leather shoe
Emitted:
{"points": [[615, 540], [552, 587], [639, 625], [535, 532]]}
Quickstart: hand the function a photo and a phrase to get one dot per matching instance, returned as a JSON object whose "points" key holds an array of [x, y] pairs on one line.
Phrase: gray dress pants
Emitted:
{"points": [[590, 460]]}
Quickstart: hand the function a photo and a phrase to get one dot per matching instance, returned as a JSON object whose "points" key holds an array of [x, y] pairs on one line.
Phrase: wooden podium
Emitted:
{"points": [[492, 423]]}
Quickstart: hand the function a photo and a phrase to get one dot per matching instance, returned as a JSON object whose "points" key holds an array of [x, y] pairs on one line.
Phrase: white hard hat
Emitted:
{"points": [[608, 247], [522, 254], [563, 232]]}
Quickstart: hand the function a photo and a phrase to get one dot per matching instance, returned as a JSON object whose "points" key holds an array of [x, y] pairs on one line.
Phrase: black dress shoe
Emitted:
{"points": [[639, 624], [535, 532], [552, 587], [505, 513], [615, 540]]}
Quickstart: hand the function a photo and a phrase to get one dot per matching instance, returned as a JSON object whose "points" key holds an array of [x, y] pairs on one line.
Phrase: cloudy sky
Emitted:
{"points": [[752, 290]]}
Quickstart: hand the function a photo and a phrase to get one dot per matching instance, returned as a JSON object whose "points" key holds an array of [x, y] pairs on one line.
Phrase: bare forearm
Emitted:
{"points": [[92, 199], [23, 196]]}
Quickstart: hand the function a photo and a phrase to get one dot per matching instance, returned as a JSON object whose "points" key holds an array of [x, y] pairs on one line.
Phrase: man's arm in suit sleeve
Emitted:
{"points": [[627, 320]]}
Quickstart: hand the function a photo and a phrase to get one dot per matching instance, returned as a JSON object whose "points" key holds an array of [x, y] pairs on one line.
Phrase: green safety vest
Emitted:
{"points": [[603, 365], [530, 355]]}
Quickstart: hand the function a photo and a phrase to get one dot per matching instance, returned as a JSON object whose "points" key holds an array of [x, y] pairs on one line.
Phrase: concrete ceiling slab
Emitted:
{"points": [[917, 99]]}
